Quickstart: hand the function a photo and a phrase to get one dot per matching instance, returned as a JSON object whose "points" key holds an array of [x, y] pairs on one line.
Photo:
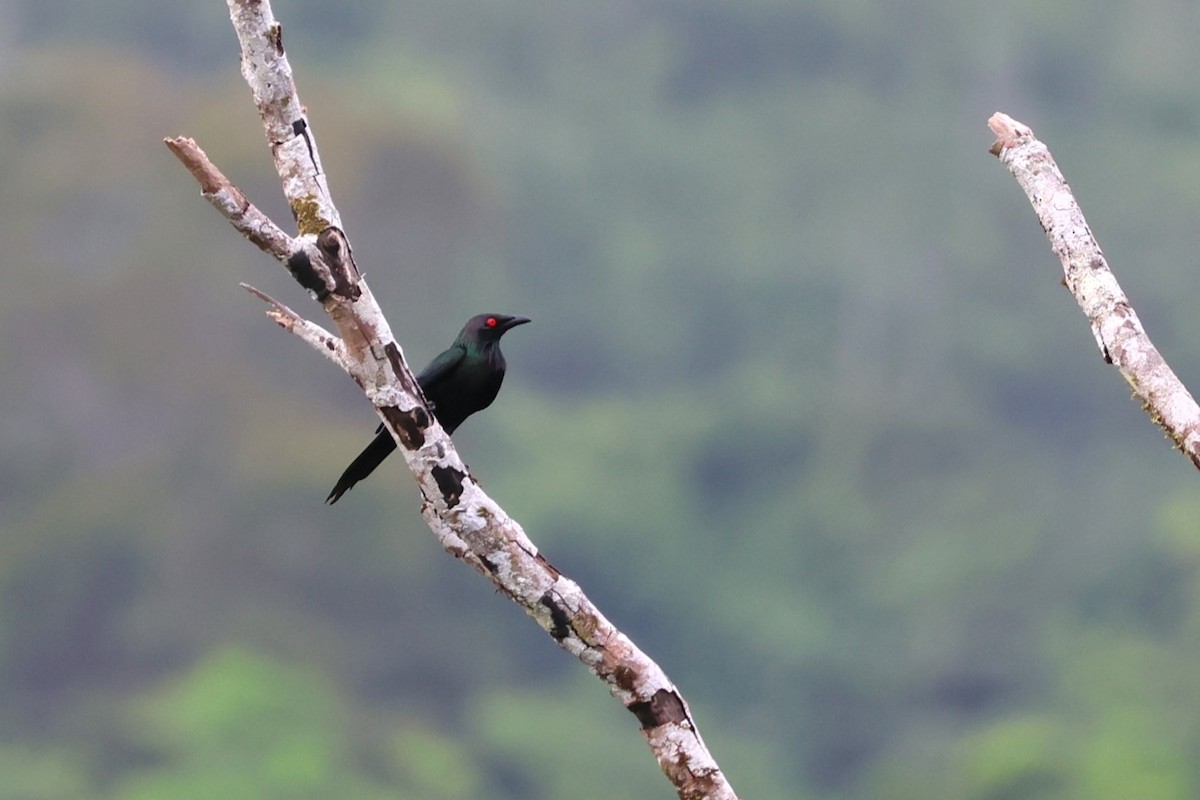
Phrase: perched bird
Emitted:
{"points": [[462, 380]]}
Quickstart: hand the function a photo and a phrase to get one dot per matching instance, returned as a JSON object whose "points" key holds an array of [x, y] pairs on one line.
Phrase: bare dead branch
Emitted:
{"points": [[230, 201], [1118, 331], [320, 339], [267, 71], [468, 523]]}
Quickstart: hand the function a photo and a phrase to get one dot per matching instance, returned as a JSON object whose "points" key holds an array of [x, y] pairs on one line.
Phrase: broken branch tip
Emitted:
{"points": [[1009, 132]]}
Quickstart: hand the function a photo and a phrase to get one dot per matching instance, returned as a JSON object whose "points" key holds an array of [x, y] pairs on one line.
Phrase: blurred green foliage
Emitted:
{"points": [[803, 407]]}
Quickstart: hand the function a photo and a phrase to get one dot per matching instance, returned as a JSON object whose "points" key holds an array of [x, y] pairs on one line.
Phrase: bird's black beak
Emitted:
{"points": [[512, 322]]}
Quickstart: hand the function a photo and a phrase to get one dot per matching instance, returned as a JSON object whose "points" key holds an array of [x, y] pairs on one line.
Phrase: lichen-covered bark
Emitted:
{"points": [[1118, 331]]}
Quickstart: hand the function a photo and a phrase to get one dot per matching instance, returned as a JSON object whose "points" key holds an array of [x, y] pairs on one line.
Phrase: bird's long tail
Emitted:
{"points": [[370, 458]]}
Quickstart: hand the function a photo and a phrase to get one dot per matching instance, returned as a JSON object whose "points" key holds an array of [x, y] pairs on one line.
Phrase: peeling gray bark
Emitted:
{"points": [[468, 523], [1116, 327]]}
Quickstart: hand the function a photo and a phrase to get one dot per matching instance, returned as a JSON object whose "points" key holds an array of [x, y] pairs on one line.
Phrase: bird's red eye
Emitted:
{"points": [[491, 322]]}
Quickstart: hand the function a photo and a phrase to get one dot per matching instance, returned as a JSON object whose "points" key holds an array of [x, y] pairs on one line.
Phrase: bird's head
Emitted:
{"points": [[490, 327]]}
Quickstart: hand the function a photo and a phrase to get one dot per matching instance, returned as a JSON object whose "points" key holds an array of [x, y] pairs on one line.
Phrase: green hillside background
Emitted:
{"points": [[803, 406]]}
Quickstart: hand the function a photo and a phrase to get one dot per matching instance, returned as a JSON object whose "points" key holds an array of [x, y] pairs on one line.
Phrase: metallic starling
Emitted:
{"points": [[462, 380]]}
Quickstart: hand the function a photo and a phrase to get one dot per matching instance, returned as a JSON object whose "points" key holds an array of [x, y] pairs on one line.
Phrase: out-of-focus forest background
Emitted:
{"points": [[803, 406]]}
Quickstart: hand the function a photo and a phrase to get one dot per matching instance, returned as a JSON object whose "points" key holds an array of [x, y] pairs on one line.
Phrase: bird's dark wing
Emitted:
{"points": [[441, 367]]}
